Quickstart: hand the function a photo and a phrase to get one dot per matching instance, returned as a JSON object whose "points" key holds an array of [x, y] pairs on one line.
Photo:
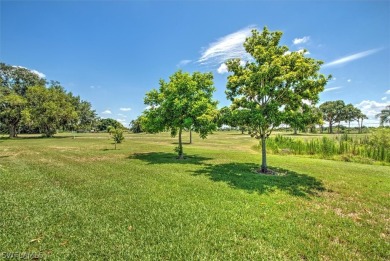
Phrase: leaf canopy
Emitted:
{"points": [[273, 81], [185, 101]]}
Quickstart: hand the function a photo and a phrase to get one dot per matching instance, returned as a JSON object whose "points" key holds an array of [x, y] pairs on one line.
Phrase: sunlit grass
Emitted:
{"points": [[79, 199]]}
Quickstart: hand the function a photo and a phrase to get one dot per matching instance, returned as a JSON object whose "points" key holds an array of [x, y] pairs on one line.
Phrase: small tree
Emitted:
{"points": [[183, 102], [117, 136], [272, 82]]}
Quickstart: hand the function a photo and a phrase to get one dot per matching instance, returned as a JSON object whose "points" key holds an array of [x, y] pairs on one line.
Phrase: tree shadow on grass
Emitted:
{"points": [[168, 158], [244, 176]]}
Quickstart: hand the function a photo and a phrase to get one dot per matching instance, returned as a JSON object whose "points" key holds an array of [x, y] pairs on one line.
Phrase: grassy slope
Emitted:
{"points": [[78, 199]]}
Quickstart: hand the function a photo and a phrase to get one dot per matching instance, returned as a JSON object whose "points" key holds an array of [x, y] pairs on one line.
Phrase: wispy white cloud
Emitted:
{"points": [[107, 112], [349, 80], [226, 47], [384, 98], [387, 92], [332, 88], [121, 120], [183, 63], [125, 109], [41, 75], [122, 115], [352, 57], [302, 40]]}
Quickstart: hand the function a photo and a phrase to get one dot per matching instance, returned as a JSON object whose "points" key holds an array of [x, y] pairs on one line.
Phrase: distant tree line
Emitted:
{"points": [[30, 104]]}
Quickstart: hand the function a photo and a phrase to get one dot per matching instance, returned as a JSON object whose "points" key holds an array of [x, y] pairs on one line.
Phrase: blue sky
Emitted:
{"points": [[112, 52]]}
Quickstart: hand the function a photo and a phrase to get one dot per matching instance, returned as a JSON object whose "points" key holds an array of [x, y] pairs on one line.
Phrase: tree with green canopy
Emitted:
{"points": [[49, 108], [333, 112], [136, 125], [183, 102], [384, 116], [360, 118], [351, 113], [14, 82], [224, 116], [303, 117], [104, 124], [18, 79], [11, 111], [271, 82], [87, 117]]}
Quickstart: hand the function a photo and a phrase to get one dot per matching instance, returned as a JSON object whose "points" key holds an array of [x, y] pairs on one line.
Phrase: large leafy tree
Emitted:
{"points": [[271, 82], [303, 117], [184, 102], [333, 112], [136, 125], [17, 79], [350, 113], [14, 82], [49, 108], [11, 111], [87, 117], [384, 116]]}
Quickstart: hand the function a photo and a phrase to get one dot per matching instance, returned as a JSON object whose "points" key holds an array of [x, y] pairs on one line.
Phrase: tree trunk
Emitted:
{"points": [[263, 155], [190, 136], [180, 151], [12, 131], [295, 131], [330, 128]]}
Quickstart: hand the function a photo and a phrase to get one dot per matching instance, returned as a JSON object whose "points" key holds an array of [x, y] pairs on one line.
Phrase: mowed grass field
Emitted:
{"points": [[79, 199]]}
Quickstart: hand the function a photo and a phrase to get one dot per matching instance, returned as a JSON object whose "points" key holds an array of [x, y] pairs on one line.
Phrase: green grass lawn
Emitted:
{"points": [[79, 199]]}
